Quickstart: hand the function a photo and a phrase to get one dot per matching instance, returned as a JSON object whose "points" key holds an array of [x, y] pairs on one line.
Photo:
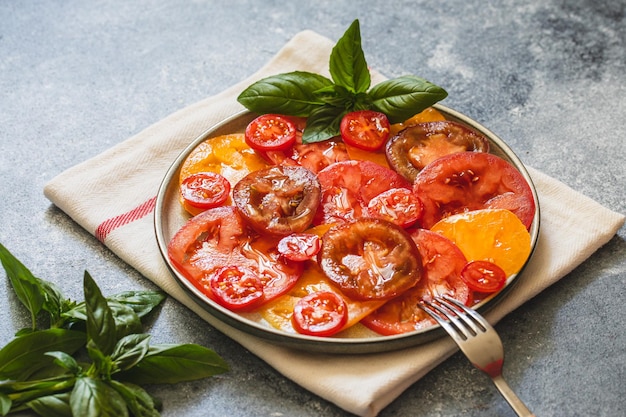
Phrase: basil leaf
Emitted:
{"points": [[142, 302], [5, 404], [336, 96], [130, 350], [52, 405], [65, 361], [290, 93], [126, 320], [25, 284], [102, 365], [403, 97], [100, 320], [138, 401], [170, 364], [54, 302], [24, 355], [348, 67], [92, 397], [323, 124]]}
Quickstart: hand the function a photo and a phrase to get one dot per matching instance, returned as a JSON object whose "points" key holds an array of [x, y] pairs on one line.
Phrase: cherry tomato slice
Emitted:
{"points": [[271, 132], [205, 190], [348, 187], [299, 246], [413, 148], [483, 276], [322, 313], [469, 181], [365, 129], [236, 287], [370, 259], [397, 205], [279, 200]]}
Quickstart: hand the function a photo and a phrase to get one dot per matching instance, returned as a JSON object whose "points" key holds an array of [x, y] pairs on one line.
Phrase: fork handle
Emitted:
{"points": [[508, 394]]}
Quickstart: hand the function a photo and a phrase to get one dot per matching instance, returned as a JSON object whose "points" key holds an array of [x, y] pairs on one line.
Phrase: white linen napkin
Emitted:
{"points": [[120, 187]]}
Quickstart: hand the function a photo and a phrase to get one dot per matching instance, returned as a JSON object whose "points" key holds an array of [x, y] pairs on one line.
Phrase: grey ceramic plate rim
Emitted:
{"points": [[169, 216]]}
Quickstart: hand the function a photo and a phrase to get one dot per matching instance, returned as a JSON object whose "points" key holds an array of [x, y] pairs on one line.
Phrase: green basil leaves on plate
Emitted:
{"points": [[325, 101]]}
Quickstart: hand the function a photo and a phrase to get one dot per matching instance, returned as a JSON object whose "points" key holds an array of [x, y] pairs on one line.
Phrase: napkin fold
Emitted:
{"points": [[117, 203]]}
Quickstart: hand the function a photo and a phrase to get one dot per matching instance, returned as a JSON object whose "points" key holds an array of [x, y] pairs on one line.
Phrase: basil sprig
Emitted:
{"points": [[92, 355], [324, 101]]}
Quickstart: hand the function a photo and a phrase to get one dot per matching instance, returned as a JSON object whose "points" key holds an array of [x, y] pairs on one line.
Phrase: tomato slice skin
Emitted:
{"points": [[279, 200], [413, 148], [365, 129], [370, 259], [237, 288], [442, 264], [205, 190], [467, 181], [299, 246], [397, 205], [321, 313], [483, 276], [271, 132]]}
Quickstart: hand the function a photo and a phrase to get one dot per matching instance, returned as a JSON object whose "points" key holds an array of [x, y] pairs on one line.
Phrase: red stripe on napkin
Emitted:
{"points": [[107, 226]]}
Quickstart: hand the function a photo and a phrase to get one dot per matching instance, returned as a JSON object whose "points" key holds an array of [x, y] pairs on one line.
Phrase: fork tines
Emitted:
{"points": [[454, 316]]}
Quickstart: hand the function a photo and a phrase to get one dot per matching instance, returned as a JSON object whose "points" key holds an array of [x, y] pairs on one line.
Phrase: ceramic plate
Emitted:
{"points": [[170, 217]]}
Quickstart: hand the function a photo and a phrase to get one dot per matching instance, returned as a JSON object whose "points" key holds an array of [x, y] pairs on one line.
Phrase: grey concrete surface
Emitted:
{"points": [[548, 76]]}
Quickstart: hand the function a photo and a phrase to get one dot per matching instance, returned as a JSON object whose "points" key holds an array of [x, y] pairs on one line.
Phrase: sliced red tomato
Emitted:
{"points": [[483, 276], [413, 148], [396, 205], [442, 264], [279, 200], [300, 246], [205, 190], [278, 274], [236, 287], [321, 313], [365, 129], [208, 241], [271, 132], [370, 259], [348, 187], [312, 156], [469, 181], [219, 238]]}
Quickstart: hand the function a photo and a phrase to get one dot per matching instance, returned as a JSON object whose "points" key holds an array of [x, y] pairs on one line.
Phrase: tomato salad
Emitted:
{"points": [[355, 231]]}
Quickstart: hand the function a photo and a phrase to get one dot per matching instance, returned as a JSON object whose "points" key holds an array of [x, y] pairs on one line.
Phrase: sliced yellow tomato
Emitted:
{"points": [[228, 155], [278, 313], [428, 115], [494, 235], [363, 155]]}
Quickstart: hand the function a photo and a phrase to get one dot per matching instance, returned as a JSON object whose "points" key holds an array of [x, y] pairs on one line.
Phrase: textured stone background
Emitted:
{"points": [[548, 76]]}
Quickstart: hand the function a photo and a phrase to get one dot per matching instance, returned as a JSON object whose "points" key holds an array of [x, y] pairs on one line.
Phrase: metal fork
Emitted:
{"points": [[478, 340]]}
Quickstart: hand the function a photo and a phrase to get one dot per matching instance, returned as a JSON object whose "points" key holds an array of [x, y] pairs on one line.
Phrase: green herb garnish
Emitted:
{"points": [[324, 102], [92, 356]]}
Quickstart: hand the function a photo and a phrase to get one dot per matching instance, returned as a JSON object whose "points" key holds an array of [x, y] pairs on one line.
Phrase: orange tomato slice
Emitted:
{"points": [[428, 115], [279, 312], [228, 155], [494, 235]]}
